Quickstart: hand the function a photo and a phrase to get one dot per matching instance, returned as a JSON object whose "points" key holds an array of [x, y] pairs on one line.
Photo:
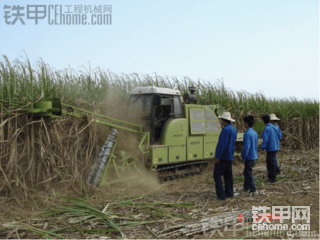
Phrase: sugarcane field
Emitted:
{"points": [[73, 166], [159, 119]]}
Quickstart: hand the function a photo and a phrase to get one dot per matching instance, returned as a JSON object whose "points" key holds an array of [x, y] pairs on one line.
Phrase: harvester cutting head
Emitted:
{"points": [[47, 108]]}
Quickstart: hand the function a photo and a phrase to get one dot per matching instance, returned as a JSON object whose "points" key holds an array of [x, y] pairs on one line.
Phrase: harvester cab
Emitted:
{"points": [[155, 107]]}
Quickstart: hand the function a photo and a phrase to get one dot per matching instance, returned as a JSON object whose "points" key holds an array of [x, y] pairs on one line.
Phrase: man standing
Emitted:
{"points": [[270, 144], [249, 155], [274, 120], [223, 158]]}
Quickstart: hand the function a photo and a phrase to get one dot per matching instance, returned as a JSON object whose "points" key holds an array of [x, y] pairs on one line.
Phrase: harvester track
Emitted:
{"points": [[180, 170]]}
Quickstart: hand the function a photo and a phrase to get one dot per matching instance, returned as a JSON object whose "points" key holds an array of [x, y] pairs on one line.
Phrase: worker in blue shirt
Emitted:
{"points": [[270, 144], [249, 155], [274, 120], [223, 158]]}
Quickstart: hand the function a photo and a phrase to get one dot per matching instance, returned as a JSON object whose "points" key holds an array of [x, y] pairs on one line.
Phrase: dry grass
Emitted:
{"points": [[179, 204], [36, 154], [298, 133]]}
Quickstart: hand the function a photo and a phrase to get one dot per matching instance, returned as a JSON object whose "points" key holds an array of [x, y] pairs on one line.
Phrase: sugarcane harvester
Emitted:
{"points": [[177, 136]]}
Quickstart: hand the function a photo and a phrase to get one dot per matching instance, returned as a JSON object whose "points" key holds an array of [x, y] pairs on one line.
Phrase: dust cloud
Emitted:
{"points": [[133, 181]]}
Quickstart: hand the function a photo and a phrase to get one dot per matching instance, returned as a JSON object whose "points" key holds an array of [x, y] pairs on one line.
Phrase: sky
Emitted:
{"points": [[268, 46]]}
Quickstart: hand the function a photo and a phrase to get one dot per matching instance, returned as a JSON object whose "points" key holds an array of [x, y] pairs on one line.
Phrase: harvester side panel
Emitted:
{"points": [[210, 144], [159, 154], [177, 154], [212, 123], [194, 148], [176, 132], [210, 140], [197, 120]]}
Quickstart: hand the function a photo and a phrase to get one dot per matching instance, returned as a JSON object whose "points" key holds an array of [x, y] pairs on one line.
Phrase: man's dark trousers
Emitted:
{"points": [[277, 165], [271, 166], [223, 168], [249, 182]]}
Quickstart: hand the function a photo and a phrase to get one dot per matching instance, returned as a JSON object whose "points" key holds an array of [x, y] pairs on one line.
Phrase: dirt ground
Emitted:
{"points": [[169, 209]]}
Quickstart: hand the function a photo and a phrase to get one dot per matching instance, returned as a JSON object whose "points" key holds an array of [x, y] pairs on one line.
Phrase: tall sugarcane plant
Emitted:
{"points": [[21, 84]]}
